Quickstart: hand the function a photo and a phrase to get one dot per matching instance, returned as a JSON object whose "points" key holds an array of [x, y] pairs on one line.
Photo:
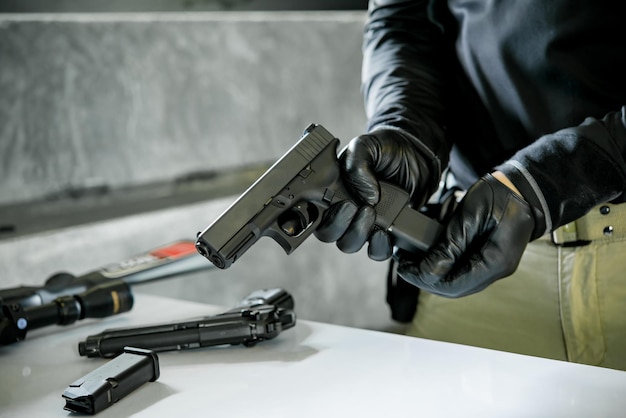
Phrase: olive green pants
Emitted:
{"points": [[565, 303]]}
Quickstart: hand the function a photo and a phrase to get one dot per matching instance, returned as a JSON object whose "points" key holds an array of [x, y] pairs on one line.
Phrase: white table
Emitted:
{"points": [[312, 370]]}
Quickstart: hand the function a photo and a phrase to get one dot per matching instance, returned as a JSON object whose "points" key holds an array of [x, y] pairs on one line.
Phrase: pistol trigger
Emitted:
{"points": [[297, 219], [294, 221], [291, 227]]}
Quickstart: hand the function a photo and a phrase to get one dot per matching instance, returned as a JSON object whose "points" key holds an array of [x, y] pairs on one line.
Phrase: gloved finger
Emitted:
{"points": [[336, 221], [434, 267], [358, 160], [358, 231], [451, 281], [441, 259], [494, 257], [380, 247], [483, 242]]}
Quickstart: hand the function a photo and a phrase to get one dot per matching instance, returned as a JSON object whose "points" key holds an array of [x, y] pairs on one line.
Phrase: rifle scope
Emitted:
{"points": [[97, 302]]}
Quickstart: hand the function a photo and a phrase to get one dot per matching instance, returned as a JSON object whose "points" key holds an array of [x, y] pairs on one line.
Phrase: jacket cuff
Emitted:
{"points": [[531, 192]]}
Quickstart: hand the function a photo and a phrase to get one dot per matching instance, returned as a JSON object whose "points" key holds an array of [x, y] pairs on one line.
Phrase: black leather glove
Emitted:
{"points": [[385, 154], [483, 242]]}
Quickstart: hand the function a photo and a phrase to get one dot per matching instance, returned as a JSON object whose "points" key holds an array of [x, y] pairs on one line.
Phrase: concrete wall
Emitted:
{"points": [[126, 99], [60, 6], [123, 99]]}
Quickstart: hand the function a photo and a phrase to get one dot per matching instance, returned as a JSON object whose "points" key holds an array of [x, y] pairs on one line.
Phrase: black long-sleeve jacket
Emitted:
{"points": [[536, 89]]}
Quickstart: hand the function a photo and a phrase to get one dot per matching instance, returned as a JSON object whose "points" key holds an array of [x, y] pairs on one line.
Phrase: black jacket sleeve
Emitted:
{"points": [[566, 173], [402, 75], [537, 76]]}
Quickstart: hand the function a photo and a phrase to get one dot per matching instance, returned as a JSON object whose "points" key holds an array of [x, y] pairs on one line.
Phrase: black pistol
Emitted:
{"points": [[263, 315], [288, 201]]}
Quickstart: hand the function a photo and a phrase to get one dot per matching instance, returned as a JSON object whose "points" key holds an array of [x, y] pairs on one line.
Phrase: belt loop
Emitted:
{"points": [[564, 234], [601, 223]]}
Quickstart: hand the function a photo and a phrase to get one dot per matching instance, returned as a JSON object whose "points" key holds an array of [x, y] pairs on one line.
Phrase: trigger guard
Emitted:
{"points": [[296, 220], [307, 215]]}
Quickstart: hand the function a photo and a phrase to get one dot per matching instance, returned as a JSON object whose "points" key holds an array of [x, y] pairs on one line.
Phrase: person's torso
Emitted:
{"points": [[528, 69]]}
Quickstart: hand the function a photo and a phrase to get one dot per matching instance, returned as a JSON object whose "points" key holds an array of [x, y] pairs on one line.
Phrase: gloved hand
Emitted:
{"points": [[385, 154], [483, 242]]}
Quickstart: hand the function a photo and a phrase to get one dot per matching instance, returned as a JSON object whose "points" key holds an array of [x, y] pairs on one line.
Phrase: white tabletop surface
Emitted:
{"points": [[311, 370]]}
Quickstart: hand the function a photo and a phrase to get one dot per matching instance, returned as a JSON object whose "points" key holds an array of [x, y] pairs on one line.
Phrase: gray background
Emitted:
{"points": [[60, 6], [123, 100]]}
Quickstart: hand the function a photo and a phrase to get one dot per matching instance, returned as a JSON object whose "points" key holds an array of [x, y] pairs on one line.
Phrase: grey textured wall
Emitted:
{"points": [[47, 6], [131, 98], [122, 99]]}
